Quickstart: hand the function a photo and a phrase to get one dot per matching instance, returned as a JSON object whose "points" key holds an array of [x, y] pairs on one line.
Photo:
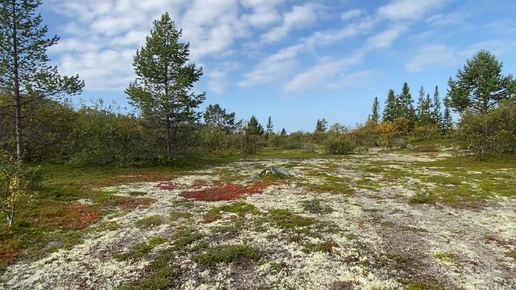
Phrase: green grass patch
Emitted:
{"points": [[511, 254], [185, 237], [106, 226], [240, 208], [228, 254], [179, 215], [449, 258], [421, 198], [150, 221], [160, 274], [324, 247], [422, 285], [285, 219], [140, 250], [316, 206]]}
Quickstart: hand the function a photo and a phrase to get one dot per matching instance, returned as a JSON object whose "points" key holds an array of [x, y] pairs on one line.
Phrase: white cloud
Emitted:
{"points": [[299, 17], [273, 67], [408, 9], [264, 12], [385, 38], [433, 55], [321, 74], [351, 14]]}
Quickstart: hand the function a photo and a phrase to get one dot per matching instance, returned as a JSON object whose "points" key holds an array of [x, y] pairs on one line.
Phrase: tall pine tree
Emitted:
{"points": [[437, 115], [406, 105], [390, 112], [163, 88], [25, 76], [375, 114], [423, 107]]}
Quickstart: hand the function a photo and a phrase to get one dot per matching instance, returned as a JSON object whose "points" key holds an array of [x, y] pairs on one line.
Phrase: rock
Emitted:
{"points": [[276, 170]]}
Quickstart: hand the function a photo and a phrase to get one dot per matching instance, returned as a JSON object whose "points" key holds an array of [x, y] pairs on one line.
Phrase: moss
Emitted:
{"points": [[139, 250], [240, 208], [449, 258], [315, 206], [150, 221], [511, 254], [185, 237], [160, 274], [285, 219], [228, 254]]}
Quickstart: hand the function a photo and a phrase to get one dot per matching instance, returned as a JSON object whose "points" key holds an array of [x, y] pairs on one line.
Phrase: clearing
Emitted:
{"points": [[377, 220]]}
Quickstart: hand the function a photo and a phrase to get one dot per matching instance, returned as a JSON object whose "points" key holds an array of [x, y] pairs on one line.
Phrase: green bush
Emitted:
{"points": [[16, 181], [340, 145], [491, 134]]}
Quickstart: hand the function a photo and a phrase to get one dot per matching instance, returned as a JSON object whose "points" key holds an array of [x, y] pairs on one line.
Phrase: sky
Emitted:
{"points": [[295, 61]]}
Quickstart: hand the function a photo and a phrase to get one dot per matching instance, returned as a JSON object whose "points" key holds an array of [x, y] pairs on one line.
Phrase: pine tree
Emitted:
{"points": [[375, 115], [254, 127], [406, 105], [390, 112], [321, 126], [163, 88], [437, 115], [25, 76], [447, 116], [283, 132], [270, 127], [480, 86], [423, 107], [217, 117]]}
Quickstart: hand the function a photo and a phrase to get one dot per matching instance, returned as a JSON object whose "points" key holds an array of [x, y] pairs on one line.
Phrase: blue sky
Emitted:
{"points": [[296, 61]]}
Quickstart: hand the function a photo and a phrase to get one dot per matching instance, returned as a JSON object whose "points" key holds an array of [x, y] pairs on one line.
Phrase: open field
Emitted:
{"points": [[419, 219]]}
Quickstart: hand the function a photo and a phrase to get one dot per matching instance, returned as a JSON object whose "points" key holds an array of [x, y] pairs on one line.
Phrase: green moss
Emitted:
{"points": [[107, 226], [283, 218], [511, 254], [227, 254], [421, 285], [449, 258], [150, 221], [179, 215], [240, 208], [185, 237], [139, 250], [160, 274], [316, 206]]}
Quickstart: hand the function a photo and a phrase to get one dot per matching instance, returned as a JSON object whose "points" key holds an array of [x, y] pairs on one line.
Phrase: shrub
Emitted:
{"points": [[340, 145], [491, 134], [16, 181]]}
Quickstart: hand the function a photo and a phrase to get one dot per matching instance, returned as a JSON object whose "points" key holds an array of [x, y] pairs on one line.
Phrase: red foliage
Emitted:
{"points": [[7, 256], [199, 183], [71, 216], [165, 185], [228, 191], [140, 203]]}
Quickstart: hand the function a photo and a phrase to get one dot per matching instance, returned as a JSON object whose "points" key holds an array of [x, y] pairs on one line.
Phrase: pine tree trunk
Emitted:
{"points": [[17, 93]]}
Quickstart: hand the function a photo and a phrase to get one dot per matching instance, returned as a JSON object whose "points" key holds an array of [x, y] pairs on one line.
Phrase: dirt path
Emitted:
{"points": [[370, 237]]}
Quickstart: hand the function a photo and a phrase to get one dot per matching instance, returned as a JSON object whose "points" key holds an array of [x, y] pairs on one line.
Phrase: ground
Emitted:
{"points": [[377, 220]]}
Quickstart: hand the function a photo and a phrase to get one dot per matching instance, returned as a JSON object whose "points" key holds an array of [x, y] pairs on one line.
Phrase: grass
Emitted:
{"points": [[240, 208], [140, 250], [449, 258], [228, 254], [150, 221], [185, 237], [160, 274], [316, 206], [285, 219], [511, 254]]}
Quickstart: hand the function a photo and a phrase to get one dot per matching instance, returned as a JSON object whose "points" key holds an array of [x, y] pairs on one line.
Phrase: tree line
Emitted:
{"points": [[36, 124]]}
